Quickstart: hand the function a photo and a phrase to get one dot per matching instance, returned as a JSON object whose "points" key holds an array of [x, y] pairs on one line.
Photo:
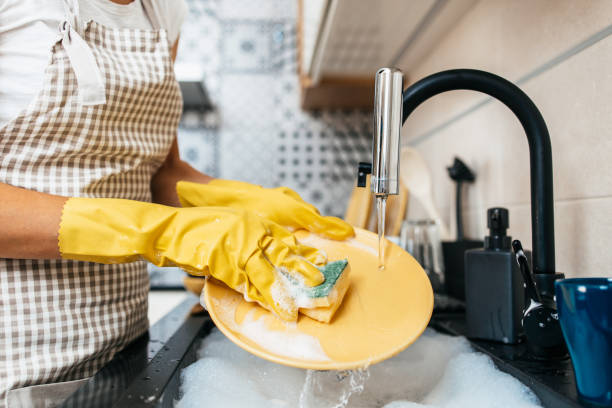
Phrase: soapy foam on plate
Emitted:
{"points": [[288, 343], [436, 371], [285, 344]]}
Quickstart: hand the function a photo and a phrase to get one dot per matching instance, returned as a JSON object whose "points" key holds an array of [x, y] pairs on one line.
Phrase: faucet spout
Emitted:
{"points": [[387, 126], [540, 152]]}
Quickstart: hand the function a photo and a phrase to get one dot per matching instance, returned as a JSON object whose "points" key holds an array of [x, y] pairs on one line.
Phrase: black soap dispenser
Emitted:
{"points": [[494, 292]]}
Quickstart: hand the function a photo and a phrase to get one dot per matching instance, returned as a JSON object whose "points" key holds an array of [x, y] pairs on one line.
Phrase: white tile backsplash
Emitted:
{"points": [[509, 38], [572, 92], [582, 232]]}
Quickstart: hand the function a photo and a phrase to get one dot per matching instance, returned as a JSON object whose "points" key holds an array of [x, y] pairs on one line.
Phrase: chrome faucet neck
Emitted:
{"points": [[387, 125]]}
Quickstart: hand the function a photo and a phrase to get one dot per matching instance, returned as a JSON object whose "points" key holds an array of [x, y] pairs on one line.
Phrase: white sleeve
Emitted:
{"points": [[172, 14]]}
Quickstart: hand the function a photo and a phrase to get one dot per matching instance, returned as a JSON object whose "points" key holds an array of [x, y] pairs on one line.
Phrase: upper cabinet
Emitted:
{"points": [[342, 43]]}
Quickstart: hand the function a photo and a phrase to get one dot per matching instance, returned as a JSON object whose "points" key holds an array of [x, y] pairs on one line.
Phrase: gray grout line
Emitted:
{"points": [[581, 46], [567, 200], [595, 38], [431, 14], [521, 204]]}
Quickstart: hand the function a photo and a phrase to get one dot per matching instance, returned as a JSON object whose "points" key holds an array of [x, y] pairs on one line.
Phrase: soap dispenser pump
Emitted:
{"points": [[494, 293]]}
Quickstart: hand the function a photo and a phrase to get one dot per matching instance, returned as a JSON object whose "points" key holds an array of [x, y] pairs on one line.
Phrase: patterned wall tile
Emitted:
{"points": [[246, 46], [200, 148], [241, 159], [246, 101], [284, 52], [247, 133], [200, 36], [248, 53]]}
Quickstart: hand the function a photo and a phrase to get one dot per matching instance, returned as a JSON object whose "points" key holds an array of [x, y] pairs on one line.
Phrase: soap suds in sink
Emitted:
{"points": [[436, 371]]}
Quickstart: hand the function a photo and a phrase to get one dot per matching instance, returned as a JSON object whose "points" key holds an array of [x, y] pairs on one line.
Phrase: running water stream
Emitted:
{"points": [[381, 209]]}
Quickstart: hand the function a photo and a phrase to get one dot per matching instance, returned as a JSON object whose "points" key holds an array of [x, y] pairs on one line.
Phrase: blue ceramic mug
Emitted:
{"points": [[585, 313]]}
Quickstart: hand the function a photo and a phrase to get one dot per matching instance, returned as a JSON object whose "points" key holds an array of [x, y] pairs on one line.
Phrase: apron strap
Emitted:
{"points": [[154, 18], [89, 79], [72, 14]]}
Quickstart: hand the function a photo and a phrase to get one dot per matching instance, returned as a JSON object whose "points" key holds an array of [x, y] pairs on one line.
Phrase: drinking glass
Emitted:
{"points": [[421, 238]]}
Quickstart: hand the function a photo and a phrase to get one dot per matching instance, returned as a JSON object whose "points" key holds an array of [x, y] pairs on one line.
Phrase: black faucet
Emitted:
{"points": [[386, 142], [540, 152]]}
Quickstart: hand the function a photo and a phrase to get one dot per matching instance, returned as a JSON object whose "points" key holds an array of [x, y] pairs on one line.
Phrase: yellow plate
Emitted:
{"points": [[383, 312]]}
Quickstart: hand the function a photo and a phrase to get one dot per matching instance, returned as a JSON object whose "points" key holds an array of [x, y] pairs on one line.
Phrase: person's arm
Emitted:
{"points": [[30, 223], [173, 170], [31, 219], [174, 49]]}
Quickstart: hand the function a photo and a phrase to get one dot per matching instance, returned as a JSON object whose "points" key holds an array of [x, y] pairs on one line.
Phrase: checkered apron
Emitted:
{"points": [[101, 126]]}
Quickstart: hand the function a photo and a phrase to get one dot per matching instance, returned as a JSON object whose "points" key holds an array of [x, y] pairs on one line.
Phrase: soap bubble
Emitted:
{"points": [[437, 371]]}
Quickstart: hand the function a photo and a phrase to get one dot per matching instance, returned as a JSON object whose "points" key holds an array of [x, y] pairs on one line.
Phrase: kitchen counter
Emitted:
{"points": [[147, 372]]}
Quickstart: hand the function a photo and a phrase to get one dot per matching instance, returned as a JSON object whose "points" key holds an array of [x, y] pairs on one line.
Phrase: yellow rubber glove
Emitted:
{"points": [[281, 205], [250, 254]]}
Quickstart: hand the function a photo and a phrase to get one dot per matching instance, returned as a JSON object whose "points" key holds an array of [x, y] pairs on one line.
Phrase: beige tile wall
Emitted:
{"points": [[574, 93]]}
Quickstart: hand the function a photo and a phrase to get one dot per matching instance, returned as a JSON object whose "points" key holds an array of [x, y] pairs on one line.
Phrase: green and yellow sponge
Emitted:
{"points": [[321, 302]]}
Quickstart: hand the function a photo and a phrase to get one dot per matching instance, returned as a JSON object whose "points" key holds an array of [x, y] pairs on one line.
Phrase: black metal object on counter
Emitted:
{"points": [[195, 96], [454, 251], [460, 173], [362, 173], [454, 265]]}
